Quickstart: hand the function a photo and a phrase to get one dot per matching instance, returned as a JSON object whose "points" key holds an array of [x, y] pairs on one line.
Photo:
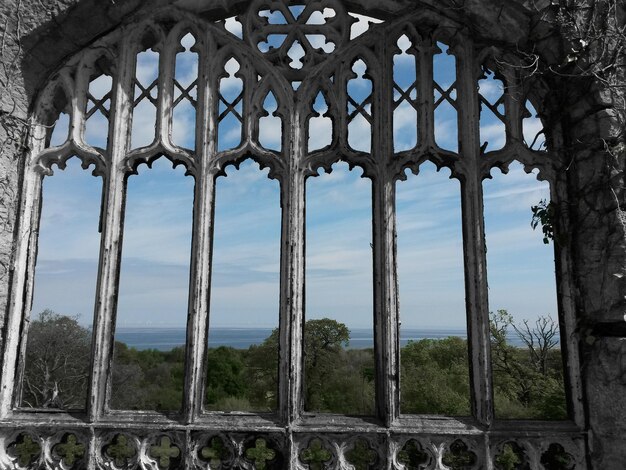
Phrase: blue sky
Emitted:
{"points": [[245, 284]]}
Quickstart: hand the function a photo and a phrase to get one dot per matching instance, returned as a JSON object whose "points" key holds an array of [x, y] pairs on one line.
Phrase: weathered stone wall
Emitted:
{"points": [[13, 123], [605, 375], [599, 245], [593, 122]]}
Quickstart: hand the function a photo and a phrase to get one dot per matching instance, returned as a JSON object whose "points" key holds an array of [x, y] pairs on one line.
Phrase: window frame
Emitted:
{"points": [[292, 167]]}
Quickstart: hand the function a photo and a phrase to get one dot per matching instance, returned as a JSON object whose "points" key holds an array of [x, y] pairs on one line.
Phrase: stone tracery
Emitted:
{"points": [[324, 72]]}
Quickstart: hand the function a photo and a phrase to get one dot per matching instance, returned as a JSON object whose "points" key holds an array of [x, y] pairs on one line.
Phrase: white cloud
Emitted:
{"points": [[444, 67], [362, 24], [187, 41], [446, 127], [270, 132], [144, 124], [152, 241], [515, 192], [60, 131], [404, 71], [524, 194], [236, 212], [531, 128], [245, 305], [360, 134], [404, 42], [67, 287], [521, 273], [319, 17], [70, 214], [154, 277], [518, 239], [359, 68], [520, 266], [327, 256], [339, 256], [229, 132], [318, 41], [492, 130], [248, 174], [442, 192], [273, 16], [491, 89], [320, 132], [184, 125], [273, 41], [69, 243], [246, 256], [147, 67], [97, 130], [340, 188], [186, 69], [100, 86], [430, 254], [296, 53], [404, 127], [158, 216], [234, 27], [153, 293], [231, 86], [339, 253]]}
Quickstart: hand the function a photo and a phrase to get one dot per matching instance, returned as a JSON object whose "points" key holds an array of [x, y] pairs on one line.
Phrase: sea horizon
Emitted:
{"points": [[167, 338]]}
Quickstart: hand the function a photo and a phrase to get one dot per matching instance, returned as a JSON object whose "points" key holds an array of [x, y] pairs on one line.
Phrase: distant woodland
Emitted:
{"points": [[528, 380]]}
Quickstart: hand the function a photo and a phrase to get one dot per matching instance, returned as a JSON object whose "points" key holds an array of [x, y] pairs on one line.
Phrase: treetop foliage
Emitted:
{"points": [[528, 380]]}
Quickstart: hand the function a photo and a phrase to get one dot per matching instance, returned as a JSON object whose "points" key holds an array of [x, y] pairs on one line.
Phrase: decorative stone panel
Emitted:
{"points": [[127, 449]]}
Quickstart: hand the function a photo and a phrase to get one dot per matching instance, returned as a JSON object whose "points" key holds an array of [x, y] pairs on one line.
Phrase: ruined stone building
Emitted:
{"points": [[560, 61]]}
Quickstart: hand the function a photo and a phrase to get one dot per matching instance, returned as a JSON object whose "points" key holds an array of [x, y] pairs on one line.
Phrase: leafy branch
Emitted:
{"points": [[544, 214]]}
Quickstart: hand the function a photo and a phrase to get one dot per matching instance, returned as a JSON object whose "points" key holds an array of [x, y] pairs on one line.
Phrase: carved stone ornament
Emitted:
{"points": [[301, 67]]}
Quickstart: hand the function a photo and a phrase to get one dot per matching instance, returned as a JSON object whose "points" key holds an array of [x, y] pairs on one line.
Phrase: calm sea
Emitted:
{"points": [[165, 339]]}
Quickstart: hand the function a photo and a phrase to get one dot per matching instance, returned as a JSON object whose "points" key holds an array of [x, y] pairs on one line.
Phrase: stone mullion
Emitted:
{"points": [[201, 247], [513, 106], [250, 87], [23, 266], [387, 353], [292, 265], [426, 96], [167, 64], [386, 347], [79, 105], [566, 296], [111, 243], [475, 261]]}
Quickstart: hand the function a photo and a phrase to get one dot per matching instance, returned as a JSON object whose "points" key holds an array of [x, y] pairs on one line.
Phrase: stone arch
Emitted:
{"points": [[590, 182]]}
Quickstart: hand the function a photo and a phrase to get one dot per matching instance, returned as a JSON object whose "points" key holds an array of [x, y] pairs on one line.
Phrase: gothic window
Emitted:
{"points": [[326, 132]]}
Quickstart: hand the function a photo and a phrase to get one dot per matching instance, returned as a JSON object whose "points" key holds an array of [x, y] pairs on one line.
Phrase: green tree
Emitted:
{"points": [[147, 380], [528, 381], [346, 383], [323, 341], [227, 377], [336, 380], [56, 373], [435, 377], [540, 339], [262, 373], [127, 377]]}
